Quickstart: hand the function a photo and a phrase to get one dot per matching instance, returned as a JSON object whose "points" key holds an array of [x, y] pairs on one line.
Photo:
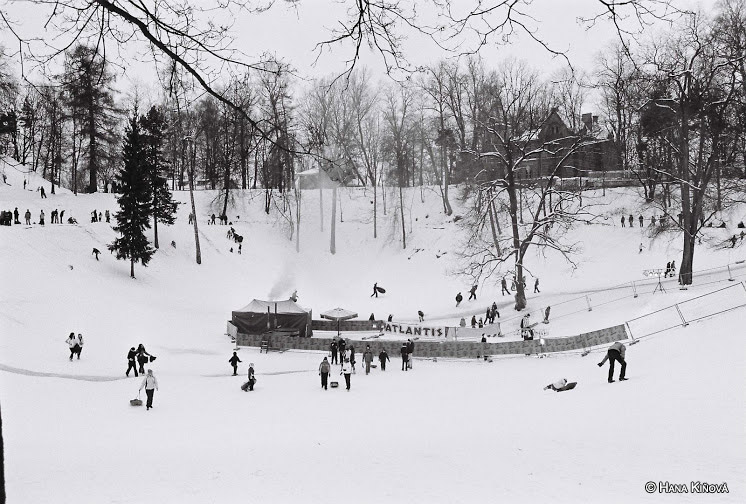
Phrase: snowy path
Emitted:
{"points": [[29, 372]]}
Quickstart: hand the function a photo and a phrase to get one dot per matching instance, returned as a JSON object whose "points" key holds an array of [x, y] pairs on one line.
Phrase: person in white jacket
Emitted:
{"points": [[72, 342], [615, 353], [347, 371], [151, 385]]}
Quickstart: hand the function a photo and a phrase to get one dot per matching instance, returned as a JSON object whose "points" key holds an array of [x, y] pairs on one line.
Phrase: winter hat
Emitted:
{"points": [[251, 364], [324, 358]]}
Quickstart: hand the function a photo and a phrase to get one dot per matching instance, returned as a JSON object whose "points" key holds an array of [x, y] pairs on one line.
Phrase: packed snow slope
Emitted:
{"points": [[446, 431]]}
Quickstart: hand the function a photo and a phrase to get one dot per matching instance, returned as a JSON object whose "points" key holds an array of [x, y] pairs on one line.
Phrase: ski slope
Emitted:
{"points": [[446, 431]]}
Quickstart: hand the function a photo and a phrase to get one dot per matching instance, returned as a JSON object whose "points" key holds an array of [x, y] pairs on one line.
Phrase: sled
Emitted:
{"points": [[381, 290], [569, 386], [334, 384], [152, 358], [245, 386], [136, 401]]}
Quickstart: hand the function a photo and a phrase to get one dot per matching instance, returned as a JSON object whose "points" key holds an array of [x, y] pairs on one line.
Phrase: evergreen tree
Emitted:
{"points": [[155, 131], [133, 216], [89, 93]]}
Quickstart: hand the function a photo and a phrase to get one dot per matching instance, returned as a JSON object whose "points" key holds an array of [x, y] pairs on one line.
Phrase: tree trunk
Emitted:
{"points": [[194, 211], [132, 268], [333, 238], [492, 226], [403, 229], [375, 209], [520, 295]]}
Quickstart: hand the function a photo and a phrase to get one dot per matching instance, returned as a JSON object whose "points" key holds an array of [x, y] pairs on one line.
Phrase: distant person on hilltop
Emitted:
{"points": [[536, 286], [27, 216], [41, 218], [622, 220], [42, 192], [421, 315], [96, 252], [108, 216], [473, 293], [642, 221], [504, 285], [615, 353], [459, 298], [15, 216], [631, 221]]}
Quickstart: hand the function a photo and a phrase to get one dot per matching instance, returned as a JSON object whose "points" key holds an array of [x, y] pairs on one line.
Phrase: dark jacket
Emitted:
{"points": [[234, 360], [131, 355], [333, 347], [383, 356], [368, 356], [410, 347], [404, 351]]}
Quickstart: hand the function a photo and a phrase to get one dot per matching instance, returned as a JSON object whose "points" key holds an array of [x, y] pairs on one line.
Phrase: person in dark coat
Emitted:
{"points": [[642, 221], [41, 218], [459, 298], [375, 290], [142, 357], [622, 220], [342, 347], [504, 284], [131, 356], [473, 321], [367, 358], [615, 353], [27, 215], [234, 362], [390, 317], [421, 315], [410, 351], [372, 317], [382, 358], [333, 350], [631, 221], [487, 316], [352, 357], [473, 292], [324, 369], [95, 252], [404, 357], [15, 216]]}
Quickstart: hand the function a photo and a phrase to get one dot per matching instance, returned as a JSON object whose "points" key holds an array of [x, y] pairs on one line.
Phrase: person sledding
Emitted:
{"points": [[561, 385]]}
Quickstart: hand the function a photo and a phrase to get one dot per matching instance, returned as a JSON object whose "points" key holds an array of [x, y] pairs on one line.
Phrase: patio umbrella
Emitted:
{"points": [[338, 314]]}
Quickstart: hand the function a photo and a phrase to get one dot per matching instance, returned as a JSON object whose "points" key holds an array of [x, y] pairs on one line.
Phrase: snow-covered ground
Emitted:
{"points": [[446, 431]]}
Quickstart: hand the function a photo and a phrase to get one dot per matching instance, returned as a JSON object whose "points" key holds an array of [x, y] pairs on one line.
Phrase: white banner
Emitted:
{"points": [[415, 330]]}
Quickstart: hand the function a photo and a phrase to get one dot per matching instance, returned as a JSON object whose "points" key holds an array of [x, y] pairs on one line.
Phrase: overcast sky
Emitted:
{"points": [[292, 32]]}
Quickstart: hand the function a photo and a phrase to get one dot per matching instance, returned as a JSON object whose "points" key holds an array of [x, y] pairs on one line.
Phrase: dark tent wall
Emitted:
{"points": [[261, 316]]}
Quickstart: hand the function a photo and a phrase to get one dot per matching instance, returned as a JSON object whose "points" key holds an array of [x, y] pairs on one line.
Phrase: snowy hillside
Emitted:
{"points": [[446, 431]]}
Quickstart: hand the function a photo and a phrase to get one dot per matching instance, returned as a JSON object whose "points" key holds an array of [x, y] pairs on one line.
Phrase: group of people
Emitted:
{"points": [[237, 238], [137, 358], [222, 218], [342, 353], [670, 269], [75, 343], [97, 216], [653, 222]]}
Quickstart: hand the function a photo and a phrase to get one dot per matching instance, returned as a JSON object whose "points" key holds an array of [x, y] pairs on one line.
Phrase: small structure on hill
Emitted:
{"points": [[259, 317]]}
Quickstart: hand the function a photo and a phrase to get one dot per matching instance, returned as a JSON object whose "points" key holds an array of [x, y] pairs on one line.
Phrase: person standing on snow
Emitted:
{"points": [[346, 371], [352, 357], [410, 351], [536, 286], [41, 218], [382, 358], [615, 353], [142, 357], [404, 357], [631, 221], [80, 345], [252, 378], [131, 356], [342, 347], [150, 384], [421, 315], [622, 220], [72, 342], [459, 298], [27, 215], [324, 369], [504, 285], [234, 362], [367, 358], [333, 350]]}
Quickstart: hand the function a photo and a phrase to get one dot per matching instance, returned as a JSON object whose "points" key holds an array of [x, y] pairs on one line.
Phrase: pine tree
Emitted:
{"points": [[133, 216], [154, 130]]}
